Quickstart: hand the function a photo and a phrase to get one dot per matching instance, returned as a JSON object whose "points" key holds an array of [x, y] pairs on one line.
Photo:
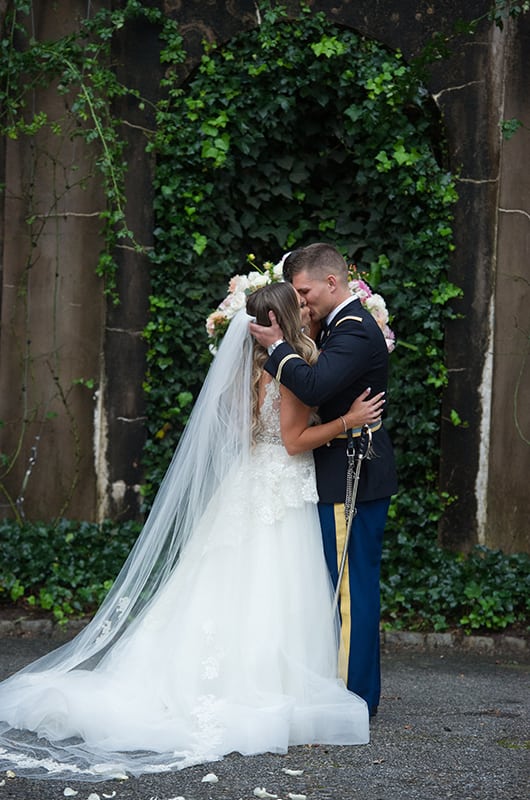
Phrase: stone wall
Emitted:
{"points": [[52, 312], [505, 521]]}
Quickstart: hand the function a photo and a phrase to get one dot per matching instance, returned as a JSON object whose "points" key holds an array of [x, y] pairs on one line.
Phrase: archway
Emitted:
{"points": [[265, 148]]}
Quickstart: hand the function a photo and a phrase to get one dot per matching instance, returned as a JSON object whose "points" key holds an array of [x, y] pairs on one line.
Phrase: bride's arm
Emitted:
{"points": [[298, 436]]}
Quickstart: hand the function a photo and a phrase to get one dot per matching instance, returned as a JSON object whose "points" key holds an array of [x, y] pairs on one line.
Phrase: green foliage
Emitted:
{"points": [[502, 10], [509, 127], [424, 587], [66, 569], [265, 149]]}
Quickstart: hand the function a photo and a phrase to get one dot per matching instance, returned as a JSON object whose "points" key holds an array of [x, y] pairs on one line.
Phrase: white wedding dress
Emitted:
{"points": [[237, 651]]}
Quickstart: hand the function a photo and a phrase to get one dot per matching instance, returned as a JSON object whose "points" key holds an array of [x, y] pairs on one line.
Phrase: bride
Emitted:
{"points": [[218, 634]]}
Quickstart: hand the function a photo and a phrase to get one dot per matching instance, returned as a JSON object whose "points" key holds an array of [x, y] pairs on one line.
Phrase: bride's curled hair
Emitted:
{"points": [[282, 299]]}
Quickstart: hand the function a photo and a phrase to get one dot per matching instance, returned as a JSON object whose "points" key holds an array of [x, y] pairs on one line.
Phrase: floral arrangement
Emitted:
{"points": [[240, 286]]}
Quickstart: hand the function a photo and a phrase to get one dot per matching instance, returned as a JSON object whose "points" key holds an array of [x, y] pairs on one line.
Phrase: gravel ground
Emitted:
{"points": [[453, 723]]}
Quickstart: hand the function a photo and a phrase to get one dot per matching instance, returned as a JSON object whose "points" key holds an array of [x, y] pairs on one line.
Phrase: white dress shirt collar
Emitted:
{"points": [[331, 316]]}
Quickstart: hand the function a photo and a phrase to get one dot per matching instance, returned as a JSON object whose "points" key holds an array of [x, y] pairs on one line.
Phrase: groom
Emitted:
{"points": [[353, 356]]}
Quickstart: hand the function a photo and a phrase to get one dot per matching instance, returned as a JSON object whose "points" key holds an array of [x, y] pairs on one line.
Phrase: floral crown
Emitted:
{"points": [[240, 286]]}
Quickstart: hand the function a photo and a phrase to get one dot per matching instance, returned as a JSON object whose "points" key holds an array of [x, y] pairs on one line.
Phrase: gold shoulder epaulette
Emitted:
{"points": [[355, 319], [284, 361]]}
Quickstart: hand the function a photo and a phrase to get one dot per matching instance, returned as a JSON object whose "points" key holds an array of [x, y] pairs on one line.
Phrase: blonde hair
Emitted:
{"points": [[283, 300]]}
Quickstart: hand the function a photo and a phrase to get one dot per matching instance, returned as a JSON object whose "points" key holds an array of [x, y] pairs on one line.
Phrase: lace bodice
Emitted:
{"points": [[269, 417], [265, 487], [278, 480]]}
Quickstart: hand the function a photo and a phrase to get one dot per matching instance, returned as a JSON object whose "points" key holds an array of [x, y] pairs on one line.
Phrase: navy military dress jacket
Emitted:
{"points": [[353, 355]]}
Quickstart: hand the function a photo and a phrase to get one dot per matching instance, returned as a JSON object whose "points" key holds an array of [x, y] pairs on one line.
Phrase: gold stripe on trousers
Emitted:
{"points": [[344, 599]]}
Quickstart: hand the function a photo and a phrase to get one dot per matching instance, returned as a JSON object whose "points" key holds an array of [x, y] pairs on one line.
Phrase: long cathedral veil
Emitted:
{"points": [[216, 438], [133, 692]]}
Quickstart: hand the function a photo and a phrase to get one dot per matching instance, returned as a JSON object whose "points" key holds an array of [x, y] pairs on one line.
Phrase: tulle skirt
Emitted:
{"points": [[237, 652]]}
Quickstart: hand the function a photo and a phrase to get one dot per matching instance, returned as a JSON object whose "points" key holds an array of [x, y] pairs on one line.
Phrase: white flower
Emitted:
{"points": [[210, 778], [377, 308], [257, 279], [231, 304], [239, 301], [238, 284]]}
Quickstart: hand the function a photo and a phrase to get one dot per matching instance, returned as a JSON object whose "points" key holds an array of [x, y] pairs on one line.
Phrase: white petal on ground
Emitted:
{"points": [[70, 792], [263, 792], [109, 795], [293, 772], [292, 796], [93, 796], [10, 774], [210, 778]]}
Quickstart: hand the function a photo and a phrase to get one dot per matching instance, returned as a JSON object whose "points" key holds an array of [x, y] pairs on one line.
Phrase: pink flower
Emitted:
{"points": [[215, 319], [390, 338], [360, 288]]}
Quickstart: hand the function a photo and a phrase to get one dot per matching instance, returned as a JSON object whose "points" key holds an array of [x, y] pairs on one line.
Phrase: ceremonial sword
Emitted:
{"points": [[355, 457]]}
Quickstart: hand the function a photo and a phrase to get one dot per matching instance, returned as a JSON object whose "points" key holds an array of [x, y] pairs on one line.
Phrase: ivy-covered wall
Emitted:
{"points": [[478, 85], [96, 472]]}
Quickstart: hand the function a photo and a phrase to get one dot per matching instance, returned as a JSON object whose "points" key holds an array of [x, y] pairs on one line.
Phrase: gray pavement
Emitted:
{"points": [[453, 723]]}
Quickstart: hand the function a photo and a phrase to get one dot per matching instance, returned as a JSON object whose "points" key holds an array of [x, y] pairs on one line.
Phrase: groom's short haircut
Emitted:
{"points": [[320, 258]]}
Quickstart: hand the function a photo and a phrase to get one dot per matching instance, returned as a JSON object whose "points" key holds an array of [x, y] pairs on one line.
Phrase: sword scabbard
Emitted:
{"points": [[355, 457]]}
